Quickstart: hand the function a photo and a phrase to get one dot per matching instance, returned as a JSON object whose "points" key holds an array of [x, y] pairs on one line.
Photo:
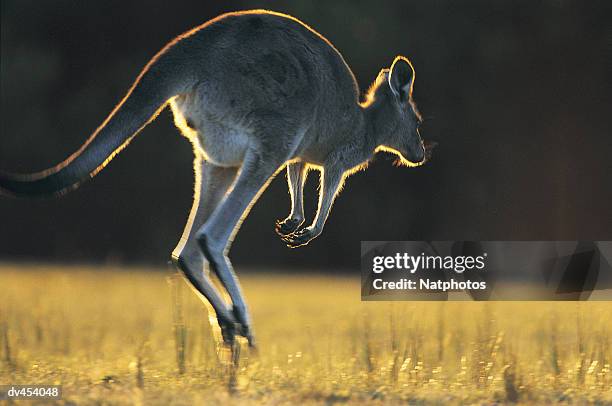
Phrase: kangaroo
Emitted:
{"points": [[253, 91]]}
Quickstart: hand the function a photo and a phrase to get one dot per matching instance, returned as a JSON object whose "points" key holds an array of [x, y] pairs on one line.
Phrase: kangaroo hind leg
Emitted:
{"points": [[215, 236], [211, 185]]}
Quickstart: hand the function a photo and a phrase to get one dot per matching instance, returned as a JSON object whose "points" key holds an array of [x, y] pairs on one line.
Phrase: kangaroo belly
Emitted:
{"points": [[220, 142]]}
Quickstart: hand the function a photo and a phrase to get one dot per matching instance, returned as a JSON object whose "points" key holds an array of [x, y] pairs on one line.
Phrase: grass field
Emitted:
{"points": [[136, 337]]}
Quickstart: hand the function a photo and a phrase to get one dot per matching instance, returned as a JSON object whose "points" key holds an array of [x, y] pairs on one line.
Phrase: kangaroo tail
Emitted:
{"points": [[156, 84]]}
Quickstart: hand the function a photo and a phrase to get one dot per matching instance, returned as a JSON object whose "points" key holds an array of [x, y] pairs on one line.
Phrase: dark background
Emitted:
{"points": [[516, 93]]}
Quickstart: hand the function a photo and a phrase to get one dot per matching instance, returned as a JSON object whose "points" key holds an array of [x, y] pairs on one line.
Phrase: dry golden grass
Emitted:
{"points": [[135, 337]]}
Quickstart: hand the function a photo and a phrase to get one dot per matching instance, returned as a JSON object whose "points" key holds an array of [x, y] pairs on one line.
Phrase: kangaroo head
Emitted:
{"points": [[396, 117]]}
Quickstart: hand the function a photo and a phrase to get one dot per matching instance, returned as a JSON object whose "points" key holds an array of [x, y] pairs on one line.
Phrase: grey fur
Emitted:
{"points": [[253, 91]]}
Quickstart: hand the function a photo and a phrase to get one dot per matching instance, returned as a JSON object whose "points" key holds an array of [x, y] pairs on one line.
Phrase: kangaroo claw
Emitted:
{"points": [[300, 237]]}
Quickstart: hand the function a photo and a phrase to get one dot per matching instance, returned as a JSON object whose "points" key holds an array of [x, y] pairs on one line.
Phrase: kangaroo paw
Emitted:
{"points": [[287, 226], [243, 324], [228, 331], [300, 237]]}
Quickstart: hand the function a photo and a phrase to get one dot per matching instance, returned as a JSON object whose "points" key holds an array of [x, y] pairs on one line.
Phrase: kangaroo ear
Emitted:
{"points": [[401, 78]]}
